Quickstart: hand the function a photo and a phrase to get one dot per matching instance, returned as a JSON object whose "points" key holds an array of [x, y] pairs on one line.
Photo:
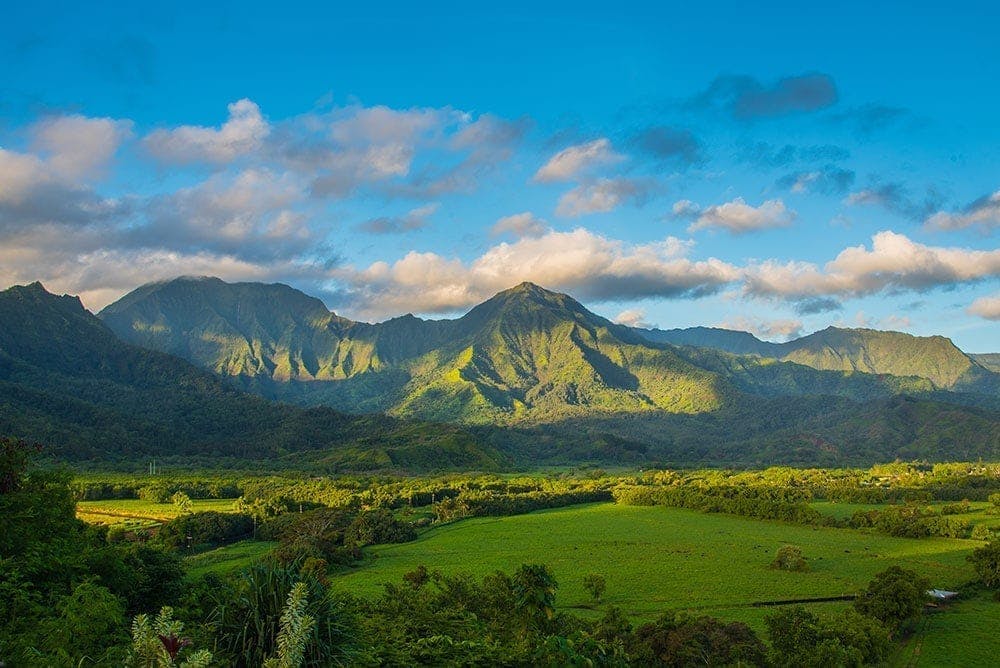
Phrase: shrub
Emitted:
{"points": [[595, 585], [209, 528], [986, 561], [789, 558], [895, 597]]}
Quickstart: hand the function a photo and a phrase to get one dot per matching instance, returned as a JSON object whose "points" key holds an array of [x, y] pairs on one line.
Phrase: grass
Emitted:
{"points": [[657, 559], [962, 634], [226, 559], [117, 511]]}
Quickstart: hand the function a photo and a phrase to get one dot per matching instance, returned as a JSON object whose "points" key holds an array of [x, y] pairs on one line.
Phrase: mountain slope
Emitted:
{"points": [[868, 351], [526, 355], [66, 380]]}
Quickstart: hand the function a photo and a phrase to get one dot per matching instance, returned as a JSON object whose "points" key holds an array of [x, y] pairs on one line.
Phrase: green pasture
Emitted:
{"points": [[226, 559], [963, 633], [117, 511], [656, 558]]}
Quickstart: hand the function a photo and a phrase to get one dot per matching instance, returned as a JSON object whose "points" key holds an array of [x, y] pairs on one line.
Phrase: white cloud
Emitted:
{"points": [[780, 329], [251, 215], [983, 213], [738, 217], [894, 263], [243, 133], [520, 225], [575, 160], [986, 307], [580, 262], [600, 196], [79, 147], [634, 318]]}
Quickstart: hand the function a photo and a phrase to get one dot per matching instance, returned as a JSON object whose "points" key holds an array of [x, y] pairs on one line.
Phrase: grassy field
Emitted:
{"points": [[117, 511], [656, 559], [962, 634], [226, 559]]}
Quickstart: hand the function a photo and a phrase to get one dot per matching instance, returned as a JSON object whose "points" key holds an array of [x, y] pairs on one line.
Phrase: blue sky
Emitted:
{"points": [[773, 169]]}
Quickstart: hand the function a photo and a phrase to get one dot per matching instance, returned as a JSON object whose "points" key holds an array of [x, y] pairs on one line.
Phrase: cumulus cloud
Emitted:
{"points": [[243, 133], [571, 162], [53, 184], [984, 213], [986, 307], [894, 263], [780, 329], [669, 144], [251, 215], [747, 98], [585, 264], [79, 147], [520, 225], [634, 318], [736, 216], [600, 196], [415, 219]]}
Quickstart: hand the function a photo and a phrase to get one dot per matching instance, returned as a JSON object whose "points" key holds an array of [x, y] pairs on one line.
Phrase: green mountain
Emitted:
{"points": [[990, 361], [935, 359], [525, 356], [66, 380]]}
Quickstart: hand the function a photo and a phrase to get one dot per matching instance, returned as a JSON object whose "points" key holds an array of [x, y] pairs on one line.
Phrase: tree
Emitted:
{"points": [[800, 638], [535, 593], [986, 561], [695, 641], [789, 558], [595, 585], [895, 597], [182, 501]]}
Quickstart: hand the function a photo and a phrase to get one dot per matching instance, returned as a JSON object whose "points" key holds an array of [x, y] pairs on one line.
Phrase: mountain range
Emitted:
{"points": [[527, 376], [68, 382]]}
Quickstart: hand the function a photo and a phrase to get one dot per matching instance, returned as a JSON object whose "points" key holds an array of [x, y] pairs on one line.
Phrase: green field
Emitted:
{"points": [[120, 511], [226, 559], [964, 633], [656, 558]]}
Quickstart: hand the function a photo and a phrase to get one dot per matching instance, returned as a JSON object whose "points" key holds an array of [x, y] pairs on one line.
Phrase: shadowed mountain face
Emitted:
{"points": [[68, 381]]}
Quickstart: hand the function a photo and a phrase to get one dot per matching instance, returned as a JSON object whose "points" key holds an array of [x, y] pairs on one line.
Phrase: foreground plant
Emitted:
{"points": [[157, 644]]}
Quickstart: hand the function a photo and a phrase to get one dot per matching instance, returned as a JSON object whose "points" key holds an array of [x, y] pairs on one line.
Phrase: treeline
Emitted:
{"points": [[747, 502]]}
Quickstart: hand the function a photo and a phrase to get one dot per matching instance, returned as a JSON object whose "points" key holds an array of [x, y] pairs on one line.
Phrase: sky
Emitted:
{"points": [[772, 169]]}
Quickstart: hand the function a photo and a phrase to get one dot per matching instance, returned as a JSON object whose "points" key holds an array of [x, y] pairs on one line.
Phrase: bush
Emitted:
{"points": [[789, 558], [375, 527], [895, 597], [986, 561], [595, 584], [210, 528]]}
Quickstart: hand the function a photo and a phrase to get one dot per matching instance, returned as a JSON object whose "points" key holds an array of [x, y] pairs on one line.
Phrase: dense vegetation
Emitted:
{"points": [[82, 595]]}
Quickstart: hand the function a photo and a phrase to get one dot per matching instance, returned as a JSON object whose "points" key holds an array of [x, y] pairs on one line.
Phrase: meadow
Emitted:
{"points": [[656, 558], [120, 511]]}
